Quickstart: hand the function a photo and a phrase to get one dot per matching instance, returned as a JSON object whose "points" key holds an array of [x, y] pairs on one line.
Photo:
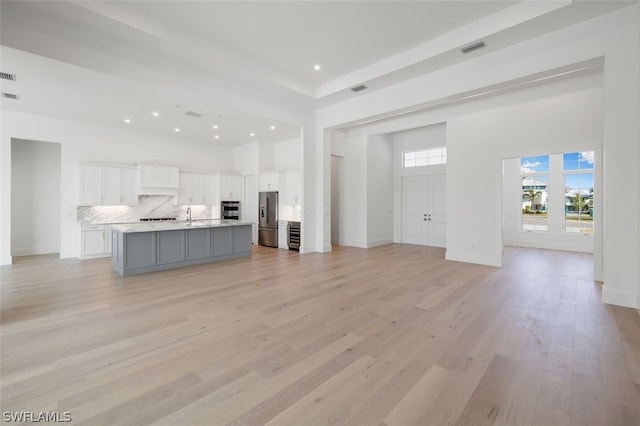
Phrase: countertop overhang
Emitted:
{"points": [[176, 225]]}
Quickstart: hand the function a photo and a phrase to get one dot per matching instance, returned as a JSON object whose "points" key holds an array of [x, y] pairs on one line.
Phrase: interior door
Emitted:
{"points": [[424, 210], [414, 209], [437, 211]]}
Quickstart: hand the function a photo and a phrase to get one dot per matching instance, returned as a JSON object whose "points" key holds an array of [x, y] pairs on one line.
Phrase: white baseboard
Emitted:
{"points": [[379, 243], [6, 260], [473, 258], [353, 243], [68, 254], [550, 245], [620, 298], [32, 251], [94, 256]]}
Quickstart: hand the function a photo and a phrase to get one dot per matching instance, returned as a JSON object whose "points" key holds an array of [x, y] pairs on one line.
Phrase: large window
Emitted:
{"points": [[534, 172], [425, 157], [578, 182]]}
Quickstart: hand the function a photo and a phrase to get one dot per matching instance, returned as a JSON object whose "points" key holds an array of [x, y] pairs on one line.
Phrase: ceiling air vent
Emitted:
{"points": [[472, 47], [358, 88], [193, 114], [10, 96], [7, 76]]}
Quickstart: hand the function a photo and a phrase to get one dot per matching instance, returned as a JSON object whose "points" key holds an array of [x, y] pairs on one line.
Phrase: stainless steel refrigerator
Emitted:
{"points": [[268, 219]]}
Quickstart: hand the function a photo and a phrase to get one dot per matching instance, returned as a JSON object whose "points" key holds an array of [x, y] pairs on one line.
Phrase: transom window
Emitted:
{"points": [[532, 165], [425, 157]]}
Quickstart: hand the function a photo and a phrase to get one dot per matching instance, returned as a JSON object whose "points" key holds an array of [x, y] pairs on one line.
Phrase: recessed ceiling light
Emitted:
{"points": [[272, 127], [176, 130], [252, 134], [155, 114], [217, 136], [316, 67], [126, 120], [215, 126]]}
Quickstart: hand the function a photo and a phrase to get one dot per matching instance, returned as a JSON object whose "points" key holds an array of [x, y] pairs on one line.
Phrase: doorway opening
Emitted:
{"points": [[35, 197], [553, 201], [337, 172]]}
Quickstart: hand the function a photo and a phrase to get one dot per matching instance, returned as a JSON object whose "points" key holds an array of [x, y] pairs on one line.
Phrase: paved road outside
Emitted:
{"points": [[533, 223]]}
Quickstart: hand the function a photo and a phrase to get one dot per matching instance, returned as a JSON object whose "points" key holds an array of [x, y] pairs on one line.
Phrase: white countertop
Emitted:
{"points": [[175, 225]]}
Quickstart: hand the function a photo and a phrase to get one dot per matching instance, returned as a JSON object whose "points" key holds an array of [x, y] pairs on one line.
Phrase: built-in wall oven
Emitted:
{"points": [[230, 210]]}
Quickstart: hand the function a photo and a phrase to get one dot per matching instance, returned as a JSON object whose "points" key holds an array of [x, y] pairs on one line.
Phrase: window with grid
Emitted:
{"points": [[578, 192], [425, 157], [534, 174]]}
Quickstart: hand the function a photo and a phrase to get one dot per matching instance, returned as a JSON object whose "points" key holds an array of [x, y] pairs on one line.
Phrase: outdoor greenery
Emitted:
{"points": [[531, 195]]}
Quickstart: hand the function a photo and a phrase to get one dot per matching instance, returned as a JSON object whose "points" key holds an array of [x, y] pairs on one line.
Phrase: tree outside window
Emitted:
{"points": [[534, 172], [578, 178]]}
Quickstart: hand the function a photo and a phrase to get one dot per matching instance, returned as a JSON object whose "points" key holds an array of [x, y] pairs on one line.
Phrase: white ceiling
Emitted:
{"points": [[244, 65]]}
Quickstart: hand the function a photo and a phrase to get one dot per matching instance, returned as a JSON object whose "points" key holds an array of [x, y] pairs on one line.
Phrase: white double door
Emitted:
{"points": [[424, 210]]}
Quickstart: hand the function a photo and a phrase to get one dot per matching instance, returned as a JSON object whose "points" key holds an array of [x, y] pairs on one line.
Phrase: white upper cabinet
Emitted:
{"points": [[270, 181], [209, 189], [292, 187], [108, 185], [158, 179], [91, 191], [230, 187], [197, 188], [112, 185], [129, 192]]}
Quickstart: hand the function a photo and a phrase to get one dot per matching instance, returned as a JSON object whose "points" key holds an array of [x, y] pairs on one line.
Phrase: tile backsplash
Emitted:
{"points": [[149, 206]]}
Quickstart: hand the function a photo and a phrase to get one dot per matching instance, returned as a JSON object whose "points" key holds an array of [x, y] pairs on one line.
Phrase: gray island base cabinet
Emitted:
{"points": [[144, 249]]}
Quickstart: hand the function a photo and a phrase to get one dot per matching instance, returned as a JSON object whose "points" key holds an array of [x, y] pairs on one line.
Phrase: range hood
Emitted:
{"points": [[158, 179]]}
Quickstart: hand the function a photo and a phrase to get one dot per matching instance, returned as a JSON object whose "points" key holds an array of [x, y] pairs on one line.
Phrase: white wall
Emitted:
{"points": [[554, 238], [478, 141], [366, 210], [288, 154], [266, 156], [245, 158], [485, 132], [379, 182], [86, 142], [354, 208], [410, 140], [621, 158], [35, 197], [613, 39]]}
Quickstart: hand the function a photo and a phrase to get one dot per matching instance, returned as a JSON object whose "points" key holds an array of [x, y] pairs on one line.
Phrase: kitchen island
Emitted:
{"points": [[154, 246]]}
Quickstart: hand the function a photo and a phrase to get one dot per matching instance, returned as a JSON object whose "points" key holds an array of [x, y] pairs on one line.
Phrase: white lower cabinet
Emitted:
{"points": [[283, 241], [95, 241]]}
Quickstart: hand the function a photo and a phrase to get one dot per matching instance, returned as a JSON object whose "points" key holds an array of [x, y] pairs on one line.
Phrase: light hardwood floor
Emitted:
{"points": [[393, 335]]}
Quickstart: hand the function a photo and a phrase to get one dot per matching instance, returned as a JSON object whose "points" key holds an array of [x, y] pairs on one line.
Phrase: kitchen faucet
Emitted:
{"points": [[189, 214]]}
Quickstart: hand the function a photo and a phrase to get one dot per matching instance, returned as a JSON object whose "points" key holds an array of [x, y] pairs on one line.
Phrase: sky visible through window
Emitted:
{"points": [[530, 165], [577, 162]]}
